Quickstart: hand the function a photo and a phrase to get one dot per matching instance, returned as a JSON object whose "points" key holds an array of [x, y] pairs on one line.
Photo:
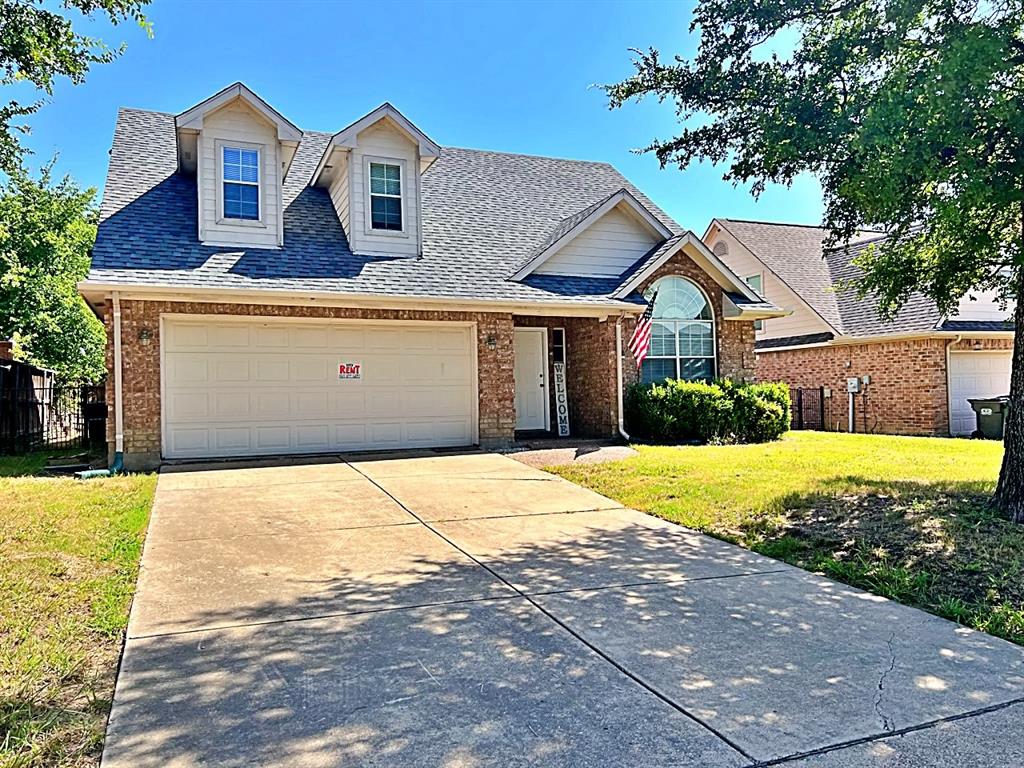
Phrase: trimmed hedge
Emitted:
{"points": [[695, 412]]}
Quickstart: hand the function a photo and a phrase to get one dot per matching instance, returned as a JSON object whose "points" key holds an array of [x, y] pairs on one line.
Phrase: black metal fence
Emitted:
{"points": [[808, 408], [46, 416]]}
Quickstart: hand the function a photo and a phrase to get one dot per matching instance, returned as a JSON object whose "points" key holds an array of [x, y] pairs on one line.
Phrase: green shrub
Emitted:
{"points": [[692, 411]]}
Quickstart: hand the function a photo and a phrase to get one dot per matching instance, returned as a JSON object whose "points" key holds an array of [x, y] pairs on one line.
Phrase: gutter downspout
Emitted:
{"points": [[618, 377], [949, 389], [118, 466]]}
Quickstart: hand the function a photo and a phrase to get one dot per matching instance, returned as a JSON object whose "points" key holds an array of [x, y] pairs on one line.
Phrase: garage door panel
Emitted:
{"points": [[229, 335], [271, 404], [383, 403], [186, 369], [313, 369], [349, 338], [313, 437], [269, 337], [227, 405], [383, 339], [273, 369], [187, 441], [270, 387], [382, 370], [230, 370]]}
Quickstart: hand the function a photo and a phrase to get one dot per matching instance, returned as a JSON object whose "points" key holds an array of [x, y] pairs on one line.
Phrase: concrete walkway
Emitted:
{"points": [[469, 610]]}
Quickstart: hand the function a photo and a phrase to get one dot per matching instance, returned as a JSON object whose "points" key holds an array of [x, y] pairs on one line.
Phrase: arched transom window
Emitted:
{"points": [[682, 333]]}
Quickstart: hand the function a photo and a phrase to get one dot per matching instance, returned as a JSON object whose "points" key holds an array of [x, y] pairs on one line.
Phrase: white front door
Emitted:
{"points": [[531, 381], [975, 374]]}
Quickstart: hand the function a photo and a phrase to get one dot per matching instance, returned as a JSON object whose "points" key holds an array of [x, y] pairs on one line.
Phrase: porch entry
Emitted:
{"points": [[530, 347]]}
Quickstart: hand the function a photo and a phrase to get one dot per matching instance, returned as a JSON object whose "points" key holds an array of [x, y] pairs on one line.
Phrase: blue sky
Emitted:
{"points": [[514, 77]]}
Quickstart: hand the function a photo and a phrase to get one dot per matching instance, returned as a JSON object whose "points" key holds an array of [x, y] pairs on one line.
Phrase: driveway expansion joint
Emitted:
{"points": [[925, 726], [579, 638]]}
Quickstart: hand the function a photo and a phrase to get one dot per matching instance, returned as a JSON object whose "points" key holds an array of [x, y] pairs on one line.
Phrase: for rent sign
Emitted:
{"points": [[350, 371]]}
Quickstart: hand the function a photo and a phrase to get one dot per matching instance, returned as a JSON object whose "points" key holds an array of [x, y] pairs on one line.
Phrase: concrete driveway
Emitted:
{"points": [[468, 610]]}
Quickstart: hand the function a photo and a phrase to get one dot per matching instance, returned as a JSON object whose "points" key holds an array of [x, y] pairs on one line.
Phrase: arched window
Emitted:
{"points": [[682, 333]]}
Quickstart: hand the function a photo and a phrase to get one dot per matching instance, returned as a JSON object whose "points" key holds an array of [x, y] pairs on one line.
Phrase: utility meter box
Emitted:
{"points": [[853, 385]]}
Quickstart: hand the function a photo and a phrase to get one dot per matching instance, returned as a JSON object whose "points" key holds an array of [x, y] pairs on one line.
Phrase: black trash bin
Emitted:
{"points": [[991, 413]]}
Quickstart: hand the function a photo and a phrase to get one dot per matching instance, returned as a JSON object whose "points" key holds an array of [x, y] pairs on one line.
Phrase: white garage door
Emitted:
{"points": [[974, 374], [257, 387]]}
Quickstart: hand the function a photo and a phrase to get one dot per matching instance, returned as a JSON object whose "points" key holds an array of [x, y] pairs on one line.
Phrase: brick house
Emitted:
{"points": [[914, 373], [268, 290]]}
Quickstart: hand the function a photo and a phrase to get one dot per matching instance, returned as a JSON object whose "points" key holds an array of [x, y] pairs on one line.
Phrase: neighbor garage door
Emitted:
{"points": [[974, 374], [256, 387]]}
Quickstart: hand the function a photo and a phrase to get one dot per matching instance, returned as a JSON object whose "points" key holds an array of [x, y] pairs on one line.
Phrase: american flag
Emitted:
{"points": [[640, 341]]}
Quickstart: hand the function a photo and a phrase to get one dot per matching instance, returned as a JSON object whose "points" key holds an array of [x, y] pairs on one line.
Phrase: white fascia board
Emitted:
{"points": [[348, 138], [622, 196], [704, 258], [93, 290], [733, 311], [192, 119]]}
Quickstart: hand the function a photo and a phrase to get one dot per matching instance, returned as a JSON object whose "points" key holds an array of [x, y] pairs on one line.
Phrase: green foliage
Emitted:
{"points": [[909, 112], [37, 45], [695, 412], [46, 231]]}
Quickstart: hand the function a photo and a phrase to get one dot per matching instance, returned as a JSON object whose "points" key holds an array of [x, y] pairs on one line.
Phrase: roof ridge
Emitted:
{"points": [[791, 224], [528, 155], [145, 111]]}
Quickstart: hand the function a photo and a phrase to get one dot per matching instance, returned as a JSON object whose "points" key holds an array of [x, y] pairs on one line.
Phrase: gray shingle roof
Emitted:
{"points": [[483, 213], [796, 255]]}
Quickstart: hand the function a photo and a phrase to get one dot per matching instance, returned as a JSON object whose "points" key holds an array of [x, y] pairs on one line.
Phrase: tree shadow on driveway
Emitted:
{"points": [[575, 643]]}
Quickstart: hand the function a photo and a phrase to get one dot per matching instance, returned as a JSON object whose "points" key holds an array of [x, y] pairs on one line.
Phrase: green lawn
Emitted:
{"points": [[69, 552], [903, 517]]}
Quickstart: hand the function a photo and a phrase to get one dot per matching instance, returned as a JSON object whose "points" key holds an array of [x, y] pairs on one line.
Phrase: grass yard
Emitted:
{"points": [[902, 517], [69, 553]]}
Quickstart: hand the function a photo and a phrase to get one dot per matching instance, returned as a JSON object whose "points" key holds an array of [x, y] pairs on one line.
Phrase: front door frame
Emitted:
{"points": [[543, 334]]}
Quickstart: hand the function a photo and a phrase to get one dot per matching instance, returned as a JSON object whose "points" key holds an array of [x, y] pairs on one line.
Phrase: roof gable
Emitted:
{"points": [[701, 255], [192, 119], [348, 137], [795, 254], [189, 124], [571, 227]]}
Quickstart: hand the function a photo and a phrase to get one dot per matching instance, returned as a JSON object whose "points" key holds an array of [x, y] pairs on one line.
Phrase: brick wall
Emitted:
{"points": [[907, 394], [141, 365]]}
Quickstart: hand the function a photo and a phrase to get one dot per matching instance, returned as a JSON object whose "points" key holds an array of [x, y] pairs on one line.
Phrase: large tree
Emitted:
{"points": [[46, 232], [909, 112], [38, 44]]}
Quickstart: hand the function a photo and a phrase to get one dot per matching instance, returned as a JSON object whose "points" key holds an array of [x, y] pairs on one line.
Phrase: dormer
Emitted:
{"points": [[372, 170], [239, 149]]}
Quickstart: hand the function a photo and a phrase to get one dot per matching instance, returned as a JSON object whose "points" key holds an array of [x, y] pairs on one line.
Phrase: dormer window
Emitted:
{"points": [[241, 178], [386, 196]]}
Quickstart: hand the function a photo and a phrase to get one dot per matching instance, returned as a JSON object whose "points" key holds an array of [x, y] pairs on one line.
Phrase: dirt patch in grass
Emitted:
{"points": [[948, 553]]}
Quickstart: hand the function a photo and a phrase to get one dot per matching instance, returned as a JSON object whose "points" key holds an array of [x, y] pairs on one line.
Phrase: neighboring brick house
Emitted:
{"points": [[915, 372], [269, 290]]}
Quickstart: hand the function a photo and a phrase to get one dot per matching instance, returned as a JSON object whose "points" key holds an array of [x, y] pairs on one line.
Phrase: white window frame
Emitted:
{"points": [[713, 357], [758, 324], [219, 147], [403, 197]]}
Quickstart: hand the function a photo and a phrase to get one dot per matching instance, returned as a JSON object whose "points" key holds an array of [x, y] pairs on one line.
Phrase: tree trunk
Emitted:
{"points": [[1009, 496]]}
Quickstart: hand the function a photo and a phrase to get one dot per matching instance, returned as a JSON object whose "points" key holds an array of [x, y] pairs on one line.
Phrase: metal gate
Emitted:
{"points": [[808, 408]]}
